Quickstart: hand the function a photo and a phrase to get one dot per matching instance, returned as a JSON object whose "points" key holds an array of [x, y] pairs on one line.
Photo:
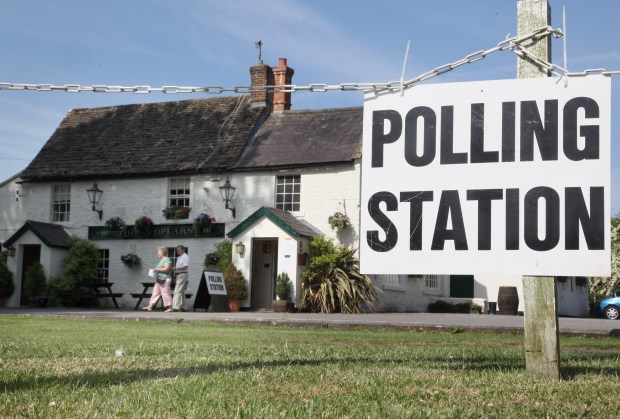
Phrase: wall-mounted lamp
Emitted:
{"points": [[240, 248], [10, 251], [228, 191], [94, 195]]}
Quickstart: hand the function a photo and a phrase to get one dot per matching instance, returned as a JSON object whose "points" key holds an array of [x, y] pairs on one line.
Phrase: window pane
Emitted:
{"points": [[61, 202], [179, 192], [103, 266], [288, 189]]}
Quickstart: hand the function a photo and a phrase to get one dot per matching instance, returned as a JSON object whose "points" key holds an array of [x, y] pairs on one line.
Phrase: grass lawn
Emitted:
{"points": [[69, 368]]}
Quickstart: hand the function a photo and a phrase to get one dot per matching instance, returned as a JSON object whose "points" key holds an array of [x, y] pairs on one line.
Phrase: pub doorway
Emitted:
{"points": [[31, 255], [264, 269]]}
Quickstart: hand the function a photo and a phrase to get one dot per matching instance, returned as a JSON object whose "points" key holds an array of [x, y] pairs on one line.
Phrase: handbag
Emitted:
{"points": [[161, 277]]}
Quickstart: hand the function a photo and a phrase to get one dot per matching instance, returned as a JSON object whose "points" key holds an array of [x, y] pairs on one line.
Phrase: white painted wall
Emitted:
{"points": [[487, 286], [133, 198], [324, 190], [51, 258], [265, 228], [572, 298], [12, 216]]}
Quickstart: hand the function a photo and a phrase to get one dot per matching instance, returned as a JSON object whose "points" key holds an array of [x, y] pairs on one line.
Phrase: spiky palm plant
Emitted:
{"points": [[333, 283]]}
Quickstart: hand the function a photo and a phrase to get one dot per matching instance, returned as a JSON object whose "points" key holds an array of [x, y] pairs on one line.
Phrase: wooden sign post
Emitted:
{"points": [[541, 330]]}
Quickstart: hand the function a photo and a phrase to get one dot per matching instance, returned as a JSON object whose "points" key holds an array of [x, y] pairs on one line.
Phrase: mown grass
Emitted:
{"points": [[68, 368]]}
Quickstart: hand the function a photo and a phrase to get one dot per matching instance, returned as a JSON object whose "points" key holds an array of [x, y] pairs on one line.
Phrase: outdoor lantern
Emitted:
{"points": [[228, 191], [10, 251], [94, 195], [240, 248]]}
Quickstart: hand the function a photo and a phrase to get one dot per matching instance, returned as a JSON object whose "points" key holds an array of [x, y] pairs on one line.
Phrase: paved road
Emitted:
{"points": [[426, 321]]}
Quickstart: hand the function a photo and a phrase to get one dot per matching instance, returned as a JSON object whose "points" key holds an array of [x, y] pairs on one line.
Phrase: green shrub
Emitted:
{"points": [[333, 283], [59, 290], [81, 264], [441, 306], [236, 285], [222, 257], [283, 286], [35, 281], [7, 286]]}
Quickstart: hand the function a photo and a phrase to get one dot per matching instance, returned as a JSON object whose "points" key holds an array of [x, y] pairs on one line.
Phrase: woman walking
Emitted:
{"points": [[162, 282]]}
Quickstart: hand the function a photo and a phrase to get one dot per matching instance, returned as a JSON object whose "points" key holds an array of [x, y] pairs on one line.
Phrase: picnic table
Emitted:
{"points": [[101, 290], [147, 294]]}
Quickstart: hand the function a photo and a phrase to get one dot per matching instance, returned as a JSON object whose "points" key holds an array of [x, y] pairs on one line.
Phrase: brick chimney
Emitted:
{"points": [[263, 75], [282, 75]]}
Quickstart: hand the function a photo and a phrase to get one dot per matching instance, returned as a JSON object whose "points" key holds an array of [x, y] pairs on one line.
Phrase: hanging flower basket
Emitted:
{"points": [[203, 220], [339, 221], [130, 260], [176, 213], [144, 226], [115, 223]]}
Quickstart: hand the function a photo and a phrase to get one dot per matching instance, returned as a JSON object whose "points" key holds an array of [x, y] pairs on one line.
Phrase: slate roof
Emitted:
{"points": [[53, 235], [293, 226], [142, 140], [303, 137]]}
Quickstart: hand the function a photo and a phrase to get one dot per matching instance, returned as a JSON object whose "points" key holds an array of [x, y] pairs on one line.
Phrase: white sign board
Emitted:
{"points": [[215, 283], [493, 177]]}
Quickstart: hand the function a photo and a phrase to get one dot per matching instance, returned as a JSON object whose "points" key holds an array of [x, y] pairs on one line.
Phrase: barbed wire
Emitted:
{"points": [[514, 44]]}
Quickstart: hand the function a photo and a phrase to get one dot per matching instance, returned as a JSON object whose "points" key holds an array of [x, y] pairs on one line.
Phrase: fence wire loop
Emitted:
{"points": [[515, 44]]}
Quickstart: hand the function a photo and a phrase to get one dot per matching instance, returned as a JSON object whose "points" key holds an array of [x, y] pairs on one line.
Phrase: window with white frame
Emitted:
{"points": [[179, 192], [61, 203], [391, 279], [172, 254], [431, 282], [103, 266], [288, 189]]}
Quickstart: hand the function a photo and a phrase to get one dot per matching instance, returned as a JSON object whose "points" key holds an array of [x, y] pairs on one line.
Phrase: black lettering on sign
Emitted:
{"points": [[429, 139], [508, 131], [531, 203], [449, 207], [592, 223], [379, 137], [532, 126], [478, 154], [447, 155], [372, 236], [484, 198], [590, 133], [416, 199], [512, 219]]}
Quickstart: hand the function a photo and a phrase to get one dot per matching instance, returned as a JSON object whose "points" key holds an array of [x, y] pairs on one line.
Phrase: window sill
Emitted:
{"points": [[394, 287]]}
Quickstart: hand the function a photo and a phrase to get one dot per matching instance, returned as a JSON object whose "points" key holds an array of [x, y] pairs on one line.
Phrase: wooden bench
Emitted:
{"points": [[94, 297]]}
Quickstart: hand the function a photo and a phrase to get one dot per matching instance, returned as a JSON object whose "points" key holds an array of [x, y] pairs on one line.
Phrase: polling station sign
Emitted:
{"points": [[215, 282], [492, 177]]}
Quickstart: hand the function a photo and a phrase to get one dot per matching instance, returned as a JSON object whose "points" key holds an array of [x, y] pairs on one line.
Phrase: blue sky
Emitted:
{"points": [[211, 43]]}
